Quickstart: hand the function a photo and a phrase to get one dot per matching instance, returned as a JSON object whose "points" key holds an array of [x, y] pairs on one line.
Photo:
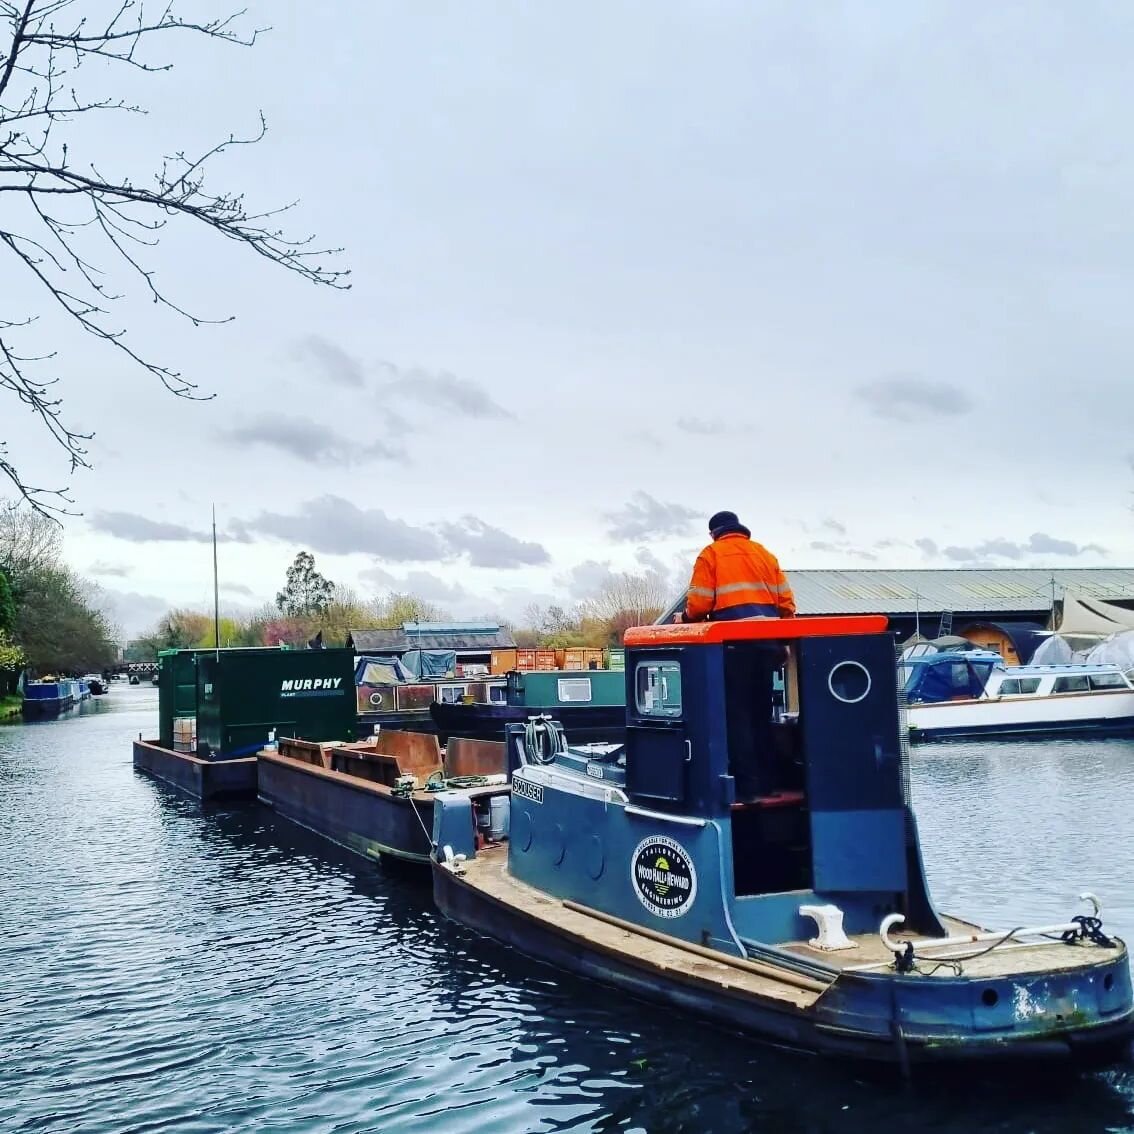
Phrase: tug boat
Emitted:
{"points": [[800, 915]]}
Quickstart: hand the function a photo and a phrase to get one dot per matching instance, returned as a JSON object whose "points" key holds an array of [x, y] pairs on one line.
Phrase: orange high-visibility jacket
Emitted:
{"points": [[736, 571]]}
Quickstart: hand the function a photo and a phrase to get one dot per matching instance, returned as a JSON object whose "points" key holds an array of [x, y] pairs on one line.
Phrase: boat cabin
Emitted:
{"points": [[734, 813]]}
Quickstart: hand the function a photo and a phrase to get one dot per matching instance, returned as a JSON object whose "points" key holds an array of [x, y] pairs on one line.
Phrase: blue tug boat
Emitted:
{"points": [[801, 915]]}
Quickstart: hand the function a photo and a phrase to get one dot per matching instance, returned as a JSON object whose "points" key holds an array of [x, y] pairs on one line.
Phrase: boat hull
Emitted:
{"points": [[41, 708], [203, 779], [360, 816], [582, 723], [1101, 712], [855, 1018]]}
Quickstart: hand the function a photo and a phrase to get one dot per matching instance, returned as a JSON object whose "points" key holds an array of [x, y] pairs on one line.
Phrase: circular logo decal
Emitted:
{"points": [[663, 876]]}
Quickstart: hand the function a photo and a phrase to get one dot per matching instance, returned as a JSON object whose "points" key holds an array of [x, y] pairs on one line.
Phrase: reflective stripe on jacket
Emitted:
{"points": [[734, 571]]}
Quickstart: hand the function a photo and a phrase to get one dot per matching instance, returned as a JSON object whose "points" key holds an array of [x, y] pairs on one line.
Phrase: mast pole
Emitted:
{"points": [[216, 586]]}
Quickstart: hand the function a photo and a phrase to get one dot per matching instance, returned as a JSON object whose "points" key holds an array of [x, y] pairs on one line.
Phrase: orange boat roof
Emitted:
{"points": [[754, 629]]}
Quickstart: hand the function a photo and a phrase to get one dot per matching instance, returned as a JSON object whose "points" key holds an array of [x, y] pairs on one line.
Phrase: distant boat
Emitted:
{"points": [[50, 698], [973, 694], [95, 683]]}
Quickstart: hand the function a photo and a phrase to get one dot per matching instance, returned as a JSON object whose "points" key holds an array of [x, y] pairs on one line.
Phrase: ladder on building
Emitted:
{"points": [[946, 626]]}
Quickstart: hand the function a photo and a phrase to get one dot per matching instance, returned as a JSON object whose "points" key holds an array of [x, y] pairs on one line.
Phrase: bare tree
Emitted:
{"points": [[639, 598], [71, 228]]}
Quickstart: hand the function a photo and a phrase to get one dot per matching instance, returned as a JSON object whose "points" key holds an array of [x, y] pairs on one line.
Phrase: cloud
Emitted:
{"points": [[926, 545], [306, 441], [335, 526], [332, 360], [585, 579], [487, 546], [913, 399], [651, 562], [833, 526], [118, 570], [1038, 543], [644, 517], [238, 589], [844, 549], [703, 426], [141, 529], [423, 584], [458, 395], [132, 612]]}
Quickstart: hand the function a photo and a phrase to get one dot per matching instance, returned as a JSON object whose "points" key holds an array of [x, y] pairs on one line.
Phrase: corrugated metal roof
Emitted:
{"points": [[427, 636], [865, 591]]}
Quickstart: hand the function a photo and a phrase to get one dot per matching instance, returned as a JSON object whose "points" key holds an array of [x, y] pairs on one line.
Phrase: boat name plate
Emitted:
{"points": [[663, 876], [527, 790]]}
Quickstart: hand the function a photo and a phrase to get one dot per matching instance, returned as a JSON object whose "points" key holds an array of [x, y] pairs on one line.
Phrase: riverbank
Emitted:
{"points": [[10, 706]]}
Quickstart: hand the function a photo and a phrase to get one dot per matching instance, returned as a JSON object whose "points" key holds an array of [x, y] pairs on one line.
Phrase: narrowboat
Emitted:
{"points": [[376, 797], [50, 698], [799, 914], [391, 697], [975, 694], [590, 704]]}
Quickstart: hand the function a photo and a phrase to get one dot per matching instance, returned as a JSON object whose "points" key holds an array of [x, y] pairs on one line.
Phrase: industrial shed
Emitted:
{"points": [[933, 602]]}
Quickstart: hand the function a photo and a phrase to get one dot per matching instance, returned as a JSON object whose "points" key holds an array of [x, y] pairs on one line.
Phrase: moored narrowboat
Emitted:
{"points": [[799, 914], [50, 698], [590, 704]]}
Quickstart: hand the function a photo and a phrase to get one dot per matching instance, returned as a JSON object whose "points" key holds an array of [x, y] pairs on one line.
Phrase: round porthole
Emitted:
{"points": [[849, 682]]}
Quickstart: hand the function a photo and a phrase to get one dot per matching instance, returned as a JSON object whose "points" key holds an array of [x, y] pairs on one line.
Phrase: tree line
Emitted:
{"points": [[51, 619], [311, 609]]}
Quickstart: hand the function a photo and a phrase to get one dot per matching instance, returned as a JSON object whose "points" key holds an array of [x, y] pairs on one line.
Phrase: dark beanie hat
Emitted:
{"points": [[725, 523]]}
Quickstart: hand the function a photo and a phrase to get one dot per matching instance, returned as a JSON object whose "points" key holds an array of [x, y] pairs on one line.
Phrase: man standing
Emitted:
{"points": [[735, 577]]}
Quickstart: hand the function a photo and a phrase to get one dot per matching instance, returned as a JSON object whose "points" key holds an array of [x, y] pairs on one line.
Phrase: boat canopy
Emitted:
{"points": [[1087, 616], [428, 664], [949, 676], [370, 670]]}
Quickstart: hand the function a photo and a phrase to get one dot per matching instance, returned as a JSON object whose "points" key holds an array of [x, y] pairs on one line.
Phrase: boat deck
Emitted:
{"points": [[488, 873], [1014, 958]]}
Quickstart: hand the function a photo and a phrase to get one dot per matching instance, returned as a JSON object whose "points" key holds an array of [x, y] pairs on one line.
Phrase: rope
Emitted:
{"points": [[1090, 928], [544, 740]]}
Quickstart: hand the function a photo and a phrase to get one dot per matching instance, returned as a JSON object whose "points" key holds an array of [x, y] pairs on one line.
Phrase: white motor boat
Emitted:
{"points": [[971, 694]]}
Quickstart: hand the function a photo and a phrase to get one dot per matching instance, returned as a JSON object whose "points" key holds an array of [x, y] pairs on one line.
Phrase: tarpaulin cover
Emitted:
{"points": [[380, 671], [427, 664], [948, 677]]}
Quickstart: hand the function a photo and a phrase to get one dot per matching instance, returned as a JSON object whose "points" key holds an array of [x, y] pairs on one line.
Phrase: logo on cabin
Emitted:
{"points": [[310, 687], [527, 790], [663, 876]]}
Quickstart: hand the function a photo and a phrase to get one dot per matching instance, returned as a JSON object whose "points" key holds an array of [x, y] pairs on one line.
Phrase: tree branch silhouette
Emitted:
{"points": [[67, 227]]}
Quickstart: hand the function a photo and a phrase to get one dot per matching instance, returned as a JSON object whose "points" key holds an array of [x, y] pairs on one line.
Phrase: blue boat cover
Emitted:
{"points": [[426, 664], [948, 676]]}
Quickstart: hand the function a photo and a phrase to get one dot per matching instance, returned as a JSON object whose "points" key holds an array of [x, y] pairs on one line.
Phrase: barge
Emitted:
{"points": [[801, 915], [376, 798]]}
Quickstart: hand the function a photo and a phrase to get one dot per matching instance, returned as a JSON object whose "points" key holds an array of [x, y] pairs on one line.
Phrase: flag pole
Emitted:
{"points": [[216, 586]]}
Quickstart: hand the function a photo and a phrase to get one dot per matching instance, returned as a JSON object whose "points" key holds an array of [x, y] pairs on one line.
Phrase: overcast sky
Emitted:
{"points": [[861, 272]]}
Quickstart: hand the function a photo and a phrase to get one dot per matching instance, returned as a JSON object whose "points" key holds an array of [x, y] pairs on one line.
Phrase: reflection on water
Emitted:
{"points": [[169, 966]]}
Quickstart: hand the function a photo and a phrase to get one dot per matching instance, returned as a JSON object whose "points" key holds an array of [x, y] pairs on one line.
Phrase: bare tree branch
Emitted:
{"points": [[74, 229]]}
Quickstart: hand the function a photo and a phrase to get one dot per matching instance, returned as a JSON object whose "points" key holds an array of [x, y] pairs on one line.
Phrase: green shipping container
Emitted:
{"points": [[243, 695], [616, 658], [177, 690]]}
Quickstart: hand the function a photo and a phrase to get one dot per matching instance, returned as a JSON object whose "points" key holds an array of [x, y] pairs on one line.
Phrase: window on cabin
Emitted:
{"points": [[1018, 686], [1071, 685], [574, 689], [1107, 681], [497, 695], [657, 688], [451, 694]]}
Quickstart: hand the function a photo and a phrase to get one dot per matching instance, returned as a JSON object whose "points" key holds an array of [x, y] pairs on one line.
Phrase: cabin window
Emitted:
{"points": [[849, 682], [451, 694], [497, 695], [1071, 685], [1018, 686], [574, 689], [1107, 681], [657, 688]]}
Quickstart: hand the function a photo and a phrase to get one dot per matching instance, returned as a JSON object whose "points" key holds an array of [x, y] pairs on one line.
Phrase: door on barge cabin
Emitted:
{"points": [[853, 763], [657, 750]]}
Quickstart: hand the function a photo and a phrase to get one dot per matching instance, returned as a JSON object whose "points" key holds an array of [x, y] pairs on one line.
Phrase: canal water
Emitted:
{"points": [[168, 966]]}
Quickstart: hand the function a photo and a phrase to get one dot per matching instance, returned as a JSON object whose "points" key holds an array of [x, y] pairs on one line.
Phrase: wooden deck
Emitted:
{"points": [[488, 874]]}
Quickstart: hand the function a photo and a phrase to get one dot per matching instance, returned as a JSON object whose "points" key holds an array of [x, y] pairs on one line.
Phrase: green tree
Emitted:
{"points": [[306, 591], [7, 605], [398, 607]]}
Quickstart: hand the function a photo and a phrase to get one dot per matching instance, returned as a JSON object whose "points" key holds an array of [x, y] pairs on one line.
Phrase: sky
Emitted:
{"points": [[860, 272]]}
